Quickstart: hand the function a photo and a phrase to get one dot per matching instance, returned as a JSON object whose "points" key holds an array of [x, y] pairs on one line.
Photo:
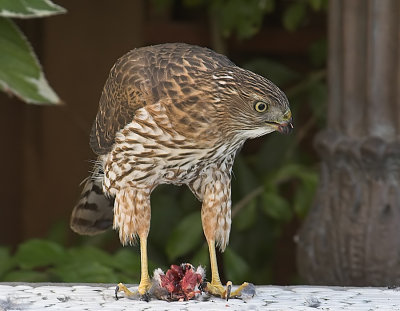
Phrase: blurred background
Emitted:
{"points": [[45, 150]]}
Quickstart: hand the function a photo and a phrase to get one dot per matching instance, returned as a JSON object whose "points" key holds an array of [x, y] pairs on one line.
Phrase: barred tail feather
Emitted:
{"points": [[93, 213]]}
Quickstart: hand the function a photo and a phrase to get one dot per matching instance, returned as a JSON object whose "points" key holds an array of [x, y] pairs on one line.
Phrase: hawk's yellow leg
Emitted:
{"points": [[145, 282], [215, 287]]}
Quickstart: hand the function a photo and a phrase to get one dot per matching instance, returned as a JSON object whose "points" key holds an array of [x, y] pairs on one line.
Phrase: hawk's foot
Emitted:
{"points": [[217, 289], [141, 293]]}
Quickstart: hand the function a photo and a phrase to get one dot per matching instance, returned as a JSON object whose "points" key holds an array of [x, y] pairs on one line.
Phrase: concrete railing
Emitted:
{"points": [[51, 296]]}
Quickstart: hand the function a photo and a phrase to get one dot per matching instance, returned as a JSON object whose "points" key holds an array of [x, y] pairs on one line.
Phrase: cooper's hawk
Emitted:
{"points": [[173, 114]]}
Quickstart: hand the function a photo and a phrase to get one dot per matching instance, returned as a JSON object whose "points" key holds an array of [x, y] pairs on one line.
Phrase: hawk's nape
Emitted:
{"points": [[174, 113]]}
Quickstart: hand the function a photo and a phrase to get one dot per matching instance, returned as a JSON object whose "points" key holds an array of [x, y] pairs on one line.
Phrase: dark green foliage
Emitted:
{"points": [[185, 237], [47, 261], [6, 262], [38, 253], [281, 74], [244, 18], [235, 266], [294, 15]]}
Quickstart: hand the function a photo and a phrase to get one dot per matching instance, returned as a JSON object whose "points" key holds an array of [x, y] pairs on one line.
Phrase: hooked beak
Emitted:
{"points": [[284, 127]]}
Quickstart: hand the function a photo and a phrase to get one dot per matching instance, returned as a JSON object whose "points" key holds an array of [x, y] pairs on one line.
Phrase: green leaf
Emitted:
{"points": [[185, 237], [201, 258], [246, 216], [90, 254], [242, 17], [98, 240], [304, 195], [276, 207], [165, 205], [268, 6], [39, 253], [6, 262], [275, 71], [20, 72], [316, 5], [294, 15], [292, 170], [85, 271], [29, 8], [235, 267], [245, 177], [58, 232], [272, 154], [127, 261], [90, 264]]}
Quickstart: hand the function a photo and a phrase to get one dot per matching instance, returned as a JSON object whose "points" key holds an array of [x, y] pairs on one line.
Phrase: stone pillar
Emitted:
{"points": [[352, 233]]}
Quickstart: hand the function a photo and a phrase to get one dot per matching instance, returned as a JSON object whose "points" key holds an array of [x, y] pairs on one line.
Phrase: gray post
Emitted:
{"points": [[352, 233]]}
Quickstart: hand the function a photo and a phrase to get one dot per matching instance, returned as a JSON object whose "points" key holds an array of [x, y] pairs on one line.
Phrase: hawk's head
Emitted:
{"points": [[250, 104]]}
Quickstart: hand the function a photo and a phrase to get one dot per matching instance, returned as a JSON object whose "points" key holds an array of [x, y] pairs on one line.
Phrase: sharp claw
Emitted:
{"points": [[145, 297], [116, 292], [228, 290], [203, 286]]}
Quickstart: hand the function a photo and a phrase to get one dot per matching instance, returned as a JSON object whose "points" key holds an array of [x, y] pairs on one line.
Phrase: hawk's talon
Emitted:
{"points": [[116, 292], [203, 286], [145, 297], [216, 289], [122, 288], [142, 292], [226, 292], [144, 287]]}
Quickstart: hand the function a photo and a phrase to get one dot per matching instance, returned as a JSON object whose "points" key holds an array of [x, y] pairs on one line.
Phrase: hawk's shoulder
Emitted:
{"points": [[144, 76]]}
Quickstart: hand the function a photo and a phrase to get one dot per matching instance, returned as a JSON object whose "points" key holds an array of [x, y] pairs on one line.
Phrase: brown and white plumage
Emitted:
{"points": [[174, 113]]}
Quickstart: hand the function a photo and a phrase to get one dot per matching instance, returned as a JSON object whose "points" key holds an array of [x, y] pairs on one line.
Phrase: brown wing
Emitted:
{"points": [[144, 76]]}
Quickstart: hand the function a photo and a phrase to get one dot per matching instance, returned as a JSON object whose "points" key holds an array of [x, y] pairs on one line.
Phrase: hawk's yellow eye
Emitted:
{"points": [[260, 106]]}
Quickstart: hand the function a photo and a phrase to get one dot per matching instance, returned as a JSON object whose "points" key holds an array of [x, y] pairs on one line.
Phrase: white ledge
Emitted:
{"points": [[74, 297]]}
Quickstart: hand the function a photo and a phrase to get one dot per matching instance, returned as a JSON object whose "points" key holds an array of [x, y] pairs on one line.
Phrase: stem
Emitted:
{"points": [[246, 200]]}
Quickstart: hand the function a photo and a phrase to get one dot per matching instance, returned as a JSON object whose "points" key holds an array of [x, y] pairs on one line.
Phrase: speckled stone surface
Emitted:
{"points": [[30, 296]]}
